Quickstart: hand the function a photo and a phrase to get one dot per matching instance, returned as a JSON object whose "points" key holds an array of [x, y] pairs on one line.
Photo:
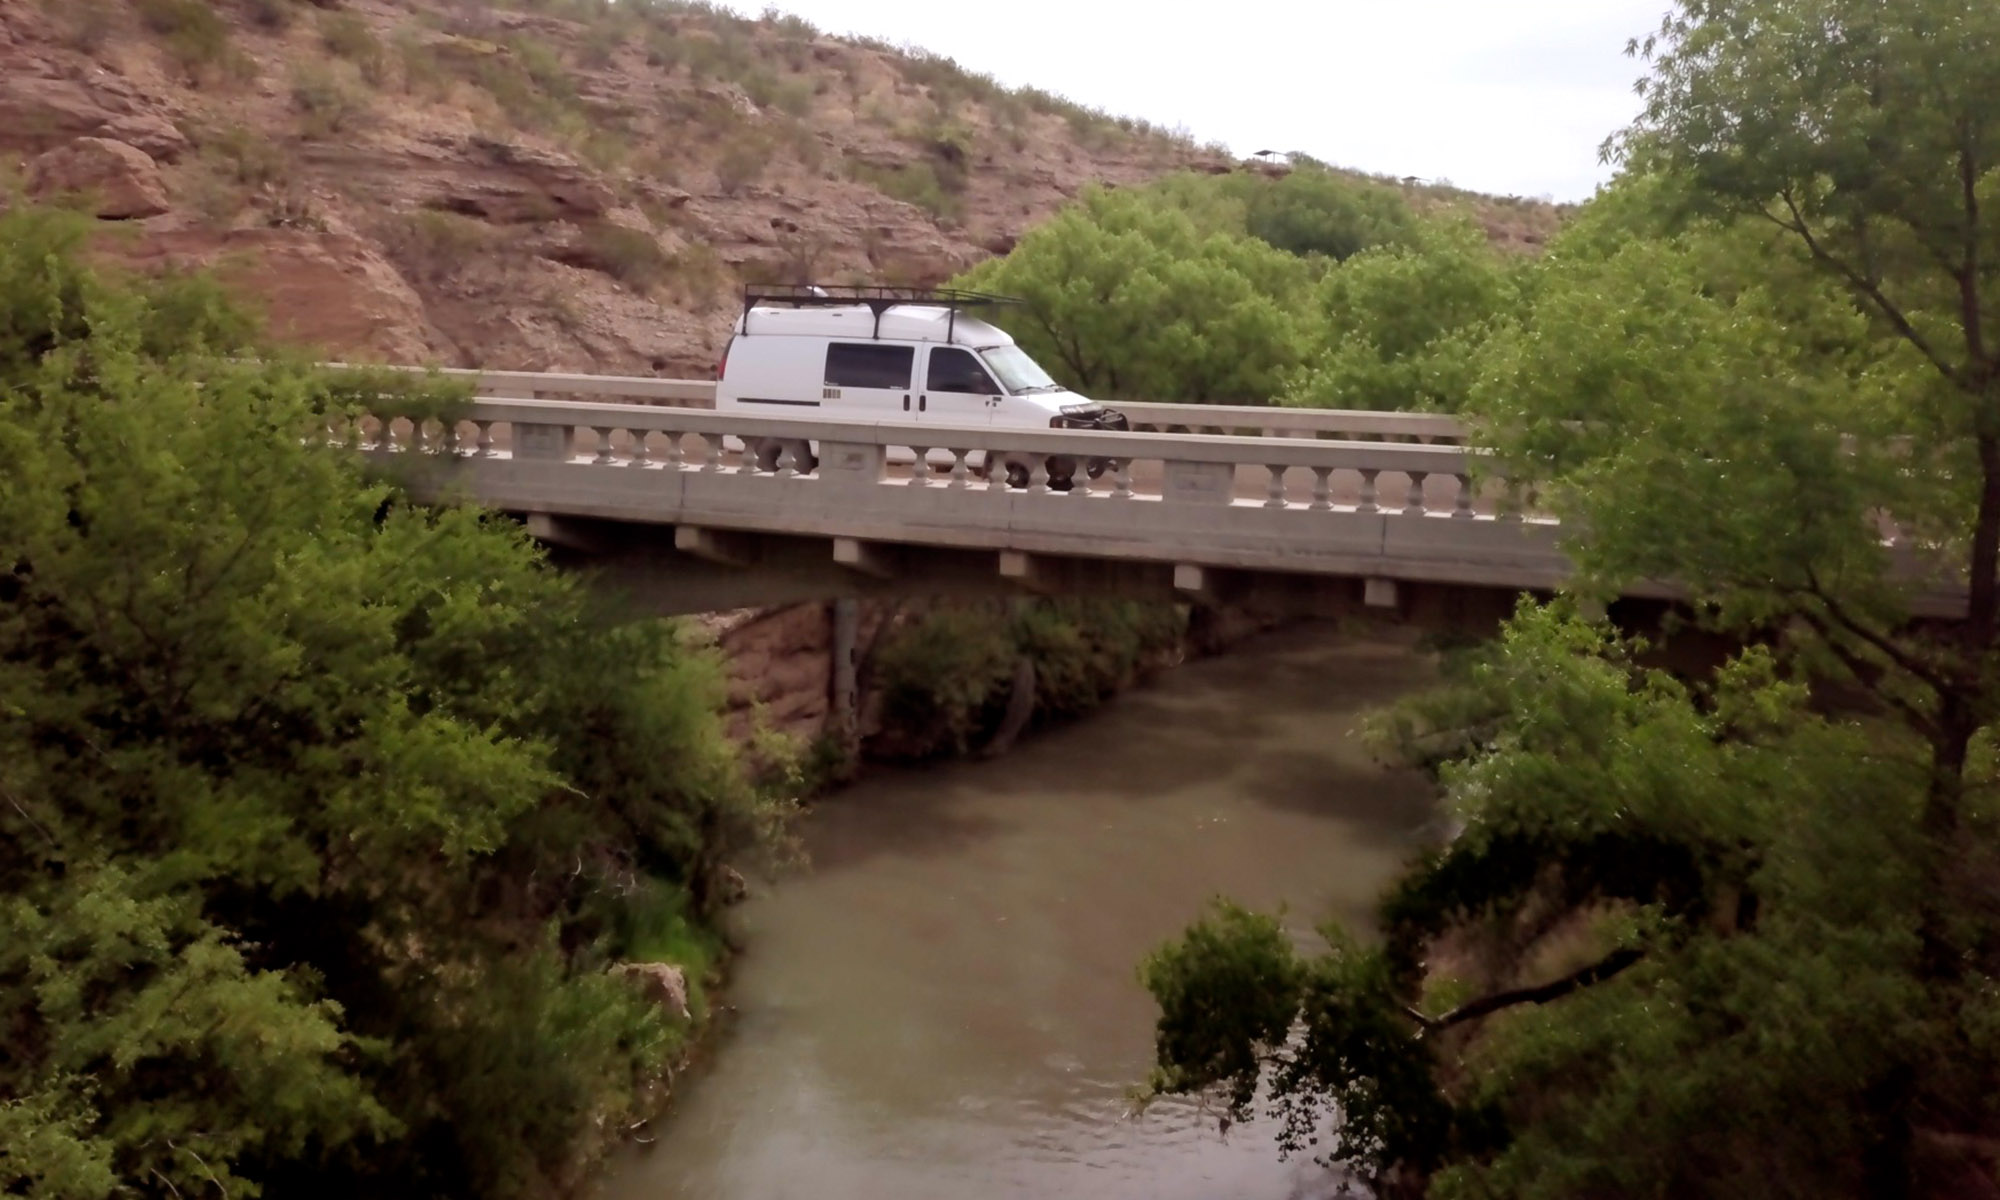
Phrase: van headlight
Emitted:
{"points": [[1081, 410]]}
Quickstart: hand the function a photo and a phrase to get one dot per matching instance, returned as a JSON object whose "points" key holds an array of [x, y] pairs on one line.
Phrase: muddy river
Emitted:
{"points": [[945, 1004]]}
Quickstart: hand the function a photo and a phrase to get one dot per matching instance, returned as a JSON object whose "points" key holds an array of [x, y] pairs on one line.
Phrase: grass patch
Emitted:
{"points": [[654, 924]]}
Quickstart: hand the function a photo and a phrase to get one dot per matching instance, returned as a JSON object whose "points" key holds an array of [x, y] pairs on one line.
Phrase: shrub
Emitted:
{"points": [[945, 678], [275, 15], [243, 157], [915, 183], [326, 104], [346, 35], [86, 24], [742, 164], [429, 245], [631, 256], [195, 36]]}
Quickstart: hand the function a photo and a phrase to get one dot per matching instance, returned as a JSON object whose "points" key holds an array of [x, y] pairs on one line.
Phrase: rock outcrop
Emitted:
{"points": [[118, 181], [663, 983]]}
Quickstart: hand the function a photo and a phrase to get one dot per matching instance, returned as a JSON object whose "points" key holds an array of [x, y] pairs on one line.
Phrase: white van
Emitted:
{"points": [[894, 355]]}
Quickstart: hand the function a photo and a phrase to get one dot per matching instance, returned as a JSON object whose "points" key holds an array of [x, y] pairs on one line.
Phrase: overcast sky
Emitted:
{"points": [[1508, 96]]}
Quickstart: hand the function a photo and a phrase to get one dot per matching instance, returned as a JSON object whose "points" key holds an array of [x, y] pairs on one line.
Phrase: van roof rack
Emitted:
{"points": [[877, 299]]}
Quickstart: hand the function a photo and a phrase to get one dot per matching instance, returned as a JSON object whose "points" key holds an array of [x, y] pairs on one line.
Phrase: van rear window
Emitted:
{"points": [[865, 365]]}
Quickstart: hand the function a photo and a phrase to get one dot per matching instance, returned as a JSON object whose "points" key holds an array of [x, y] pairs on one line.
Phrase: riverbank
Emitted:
{"points": [[946, 1003]]}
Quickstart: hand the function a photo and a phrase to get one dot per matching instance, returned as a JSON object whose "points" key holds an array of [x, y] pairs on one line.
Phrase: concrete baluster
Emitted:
{"points": [[674, 455], [1274, 494], [1368, 504], [482, 442], [640, 455], [1121, 488], [787, 464], [712, 452], [959, 471], [1322, 490], [1079, 479], [1038, 477], [1462, 507], [1512, 507], [604, 456], [1413, 504], [920, 469]]}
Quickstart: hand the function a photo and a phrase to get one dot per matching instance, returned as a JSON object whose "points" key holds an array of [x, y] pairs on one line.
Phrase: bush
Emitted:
{"points": [[275, 15], [346, 35], [195, 36], [326, 104], [631, 256], [310, 869], [430, 246], [915, 183]]}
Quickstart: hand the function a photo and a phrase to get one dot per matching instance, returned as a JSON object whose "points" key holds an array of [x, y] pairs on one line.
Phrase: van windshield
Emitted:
{"points": [[1018, 373]]}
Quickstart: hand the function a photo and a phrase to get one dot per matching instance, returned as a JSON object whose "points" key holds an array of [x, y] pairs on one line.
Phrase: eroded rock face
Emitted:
{"points": [[331, 291], [122, 181], [42, 106]]}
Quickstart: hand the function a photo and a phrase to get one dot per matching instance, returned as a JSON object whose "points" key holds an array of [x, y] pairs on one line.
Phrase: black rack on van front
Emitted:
{"points": [[877, 299]]}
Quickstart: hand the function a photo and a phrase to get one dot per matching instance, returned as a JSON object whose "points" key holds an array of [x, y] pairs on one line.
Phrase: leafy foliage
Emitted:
{"points": [[316, 808], [945, 676], [1738, 934], [1128, 297], [1405, 323]]}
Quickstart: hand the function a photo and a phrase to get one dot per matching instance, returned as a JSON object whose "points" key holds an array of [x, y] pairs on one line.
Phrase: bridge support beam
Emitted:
{"points": [[1379, 593], [1026, 570], [846, 687], [711, 545], [1201, 585], [552, 530], [869, 558]]}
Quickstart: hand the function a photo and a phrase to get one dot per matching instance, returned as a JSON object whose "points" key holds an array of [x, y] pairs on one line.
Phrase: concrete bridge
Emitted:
{"points": [[1302, 511]]}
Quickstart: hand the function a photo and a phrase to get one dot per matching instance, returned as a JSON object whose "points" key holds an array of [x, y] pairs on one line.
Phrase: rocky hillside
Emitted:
{"points": [[565, 184], [556, 184]]}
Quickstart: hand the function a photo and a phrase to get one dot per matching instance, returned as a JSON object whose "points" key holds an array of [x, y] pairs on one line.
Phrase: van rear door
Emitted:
{"points": [[868, 381]]}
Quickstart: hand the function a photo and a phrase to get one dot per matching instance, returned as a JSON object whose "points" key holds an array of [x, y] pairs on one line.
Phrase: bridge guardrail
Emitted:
{"points": [[1147, 416], [1195, 468]]}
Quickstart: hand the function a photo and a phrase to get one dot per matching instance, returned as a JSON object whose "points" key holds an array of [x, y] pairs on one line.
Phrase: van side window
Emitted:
{"points": [[958, 371], [868, 365]]}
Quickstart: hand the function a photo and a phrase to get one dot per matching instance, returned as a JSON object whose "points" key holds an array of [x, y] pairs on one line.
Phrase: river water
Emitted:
{"points": [[945, 1004]]}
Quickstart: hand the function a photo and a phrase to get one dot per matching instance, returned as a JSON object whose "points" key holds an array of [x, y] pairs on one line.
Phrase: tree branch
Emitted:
{"points": [[1969, 308], [1896, 654], [1856, 665], [1864, 285], [1596, 973]]}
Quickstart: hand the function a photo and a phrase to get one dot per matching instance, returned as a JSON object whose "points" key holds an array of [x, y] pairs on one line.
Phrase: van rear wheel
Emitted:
{"points": [[768, 452]]}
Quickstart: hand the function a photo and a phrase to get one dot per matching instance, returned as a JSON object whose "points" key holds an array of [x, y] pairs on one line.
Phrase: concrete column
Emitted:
{"points": [[846, 690]]}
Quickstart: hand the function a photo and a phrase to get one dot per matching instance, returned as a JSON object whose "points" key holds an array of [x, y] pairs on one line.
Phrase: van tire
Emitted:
{"points": [[766, 452]]}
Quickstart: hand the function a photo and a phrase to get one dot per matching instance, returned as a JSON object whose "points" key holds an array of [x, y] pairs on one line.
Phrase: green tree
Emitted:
{"points": [[1128, 297], [1404, 323], [1707, 937], [318, 810]]}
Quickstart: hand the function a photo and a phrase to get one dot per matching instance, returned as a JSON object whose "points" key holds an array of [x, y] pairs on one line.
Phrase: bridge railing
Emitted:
{"points": [[1147, 416], [1298, 473]]}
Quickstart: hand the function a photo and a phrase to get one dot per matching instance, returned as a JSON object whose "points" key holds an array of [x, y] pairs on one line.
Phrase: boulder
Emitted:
{"points": [[663, 983], [122, 181]]}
